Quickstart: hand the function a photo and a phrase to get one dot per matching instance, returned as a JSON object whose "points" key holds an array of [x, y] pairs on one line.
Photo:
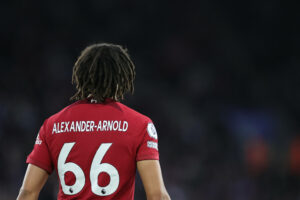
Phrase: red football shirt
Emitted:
{"points": [[94, 148]]}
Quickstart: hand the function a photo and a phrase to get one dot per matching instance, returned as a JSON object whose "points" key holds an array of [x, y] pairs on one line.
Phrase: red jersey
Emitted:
{"points": [[94, 148]]}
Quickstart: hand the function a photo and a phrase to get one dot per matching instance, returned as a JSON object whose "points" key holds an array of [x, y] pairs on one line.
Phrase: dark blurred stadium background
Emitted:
{"points": [[220, 79]]}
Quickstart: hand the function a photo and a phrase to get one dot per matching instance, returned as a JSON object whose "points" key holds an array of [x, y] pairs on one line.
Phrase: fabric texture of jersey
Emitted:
{"points": [[94, 148]]}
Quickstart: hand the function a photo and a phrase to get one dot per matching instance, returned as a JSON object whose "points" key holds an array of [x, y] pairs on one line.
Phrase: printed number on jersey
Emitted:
{"points": [[96, 169]]}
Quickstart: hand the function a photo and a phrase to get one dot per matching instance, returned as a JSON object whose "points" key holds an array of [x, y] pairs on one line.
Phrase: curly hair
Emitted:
{"points": [[103, 71]]}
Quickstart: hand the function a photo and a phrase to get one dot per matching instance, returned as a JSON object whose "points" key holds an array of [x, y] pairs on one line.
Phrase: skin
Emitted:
{"points": [[149, 170], [150, 173], [34, 180]]}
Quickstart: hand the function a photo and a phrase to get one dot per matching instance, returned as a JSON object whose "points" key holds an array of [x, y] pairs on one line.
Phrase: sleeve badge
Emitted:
{"points": [[152, 131]]}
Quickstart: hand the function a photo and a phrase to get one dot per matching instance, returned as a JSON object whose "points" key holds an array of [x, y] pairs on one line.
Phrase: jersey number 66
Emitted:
{"points": [[96, 168]]}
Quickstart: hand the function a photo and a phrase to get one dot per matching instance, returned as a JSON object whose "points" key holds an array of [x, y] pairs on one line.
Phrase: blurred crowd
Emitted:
{"points": [[219, 79]]}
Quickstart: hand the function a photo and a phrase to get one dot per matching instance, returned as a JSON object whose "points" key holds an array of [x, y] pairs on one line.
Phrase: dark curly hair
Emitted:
{"points": [[103, 71]]}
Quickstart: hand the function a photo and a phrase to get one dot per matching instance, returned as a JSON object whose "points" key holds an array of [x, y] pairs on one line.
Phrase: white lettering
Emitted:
{"points": [[83, 126], [99, 126], [72, 127], [104, 125], [115, 127], [89, 126], [61, 126], [78, 129], [92, 124], [119, 129], [54, 128], [109, 125], [125, 126], [67, 127]]}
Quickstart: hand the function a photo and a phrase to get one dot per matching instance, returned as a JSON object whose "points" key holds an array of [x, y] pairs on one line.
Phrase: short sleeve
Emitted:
{"points": [[40, 155], [148, 147]]}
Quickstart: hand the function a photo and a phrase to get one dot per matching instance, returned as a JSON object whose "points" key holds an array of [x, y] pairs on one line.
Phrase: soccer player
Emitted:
{"points": [[96, 144]]}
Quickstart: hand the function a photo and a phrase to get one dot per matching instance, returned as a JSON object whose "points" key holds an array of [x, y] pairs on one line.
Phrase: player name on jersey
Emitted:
{"points": [[89, 126]]}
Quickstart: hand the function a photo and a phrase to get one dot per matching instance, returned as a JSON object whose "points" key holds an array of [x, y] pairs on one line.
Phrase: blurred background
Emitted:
{"points": [[220, 79]]}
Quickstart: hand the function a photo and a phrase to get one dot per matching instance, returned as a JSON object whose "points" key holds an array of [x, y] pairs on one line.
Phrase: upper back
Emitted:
{"points": [[94, 148]]}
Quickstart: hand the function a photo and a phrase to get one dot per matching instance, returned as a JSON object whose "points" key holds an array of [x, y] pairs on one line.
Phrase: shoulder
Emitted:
{"points": [[133, 114], [60, 113], [116, 107], [141, 123]]}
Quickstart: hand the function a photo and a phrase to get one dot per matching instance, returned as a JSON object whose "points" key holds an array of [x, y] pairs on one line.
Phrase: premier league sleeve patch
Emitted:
{"points": [[152, 131]]}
